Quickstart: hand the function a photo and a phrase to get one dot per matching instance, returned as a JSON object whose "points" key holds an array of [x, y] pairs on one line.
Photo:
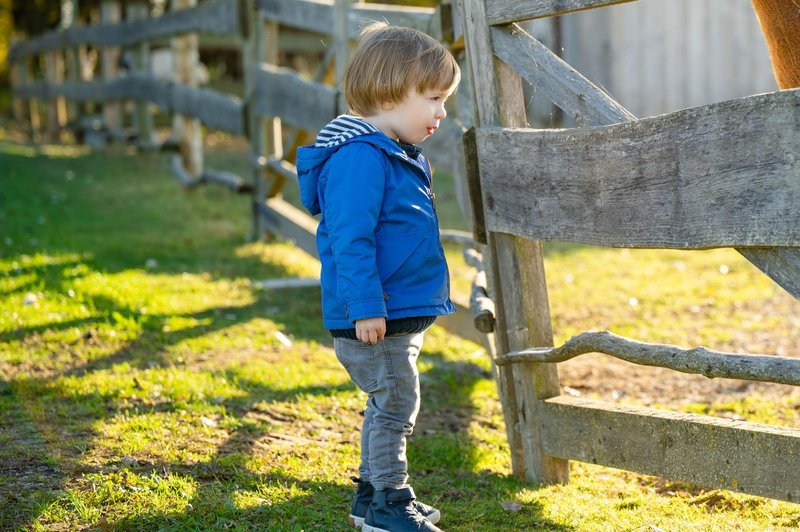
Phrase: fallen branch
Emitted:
{"points": [[481, 304], [186, 179], [228, 179], [699, 360], [474, 258]]}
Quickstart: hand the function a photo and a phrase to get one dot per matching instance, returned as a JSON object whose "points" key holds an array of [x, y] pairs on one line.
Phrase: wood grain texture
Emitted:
{"points": [[282, 92], [587, 103], [595, 108], [698, 360], [485, 112], [215, 17], [473, 181], [506, 11], [721, 453], [722, 175]]}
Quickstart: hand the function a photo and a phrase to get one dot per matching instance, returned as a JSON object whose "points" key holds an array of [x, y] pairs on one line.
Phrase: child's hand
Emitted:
{"points": [[371, 330]]}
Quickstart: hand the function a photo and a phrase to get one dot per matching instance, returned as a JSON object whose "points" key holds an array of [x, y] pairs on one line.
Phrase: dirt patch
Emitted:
{"points": [[604, 377]]}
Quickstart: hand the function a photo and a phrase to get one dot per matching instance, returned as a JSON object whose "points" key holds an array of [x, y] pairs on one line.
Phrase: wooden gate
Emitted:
{"points": [[723, 175]]}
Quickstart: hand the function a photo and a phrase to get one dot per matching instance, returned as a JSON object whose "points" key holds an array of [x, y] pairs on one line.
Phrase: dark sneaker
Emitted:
{"points": [[363, 498], [393, 510]]}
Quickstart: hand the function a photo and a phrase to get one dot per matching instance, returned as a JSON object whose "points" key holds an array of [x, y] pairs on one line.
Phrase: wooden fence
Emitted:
{"points": [[721, 175], [279, 110]]}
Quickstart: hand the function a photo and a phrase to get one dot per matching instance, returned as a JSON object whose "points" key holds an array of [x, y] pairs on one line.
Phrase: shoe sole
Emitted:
{"points": [[370, 528], [358, 522], [434, 517]]}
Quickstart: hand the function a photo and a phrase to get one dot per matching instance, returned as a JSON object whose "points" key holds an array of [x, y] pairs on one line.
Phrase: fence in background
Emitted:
{"points": [[279, 110]]}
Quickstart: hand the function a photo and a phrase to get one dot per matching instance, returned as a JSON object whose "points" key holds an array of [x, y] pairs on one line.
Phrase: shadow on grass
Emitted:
{"points": [[442, 453], [322, 506], [29, 476], [47, 430]]}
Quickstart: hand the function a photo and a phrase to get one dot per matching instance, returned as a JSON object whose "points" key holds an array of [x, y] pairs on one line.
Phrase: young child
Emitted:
{"points": [[384, 275]]}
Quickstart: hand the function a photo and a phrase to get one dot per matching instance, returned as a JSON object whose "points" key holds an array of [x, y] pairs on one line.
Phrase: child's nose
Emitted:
{"points": [[441, 112]]}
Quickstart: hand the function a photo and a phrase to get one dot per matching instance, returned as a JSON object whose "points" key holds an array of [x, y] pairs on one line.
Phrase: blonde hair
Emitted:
{"points": [[388, 61]]}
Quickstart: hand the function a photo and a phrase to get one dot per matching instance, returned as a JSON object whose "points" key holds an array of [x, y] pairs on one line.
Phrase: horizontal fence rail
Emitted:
{"points": [[317, 16], [507, 11], [747, 457], [282, 92], [218, 17], [589, 105], [216, 110], [716, 176], [698, 360]]}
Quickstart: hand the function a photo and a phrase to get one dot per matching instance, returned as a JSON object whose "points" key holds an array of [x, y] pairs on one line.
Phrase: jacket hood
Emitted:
{"points": [[339, 131]]}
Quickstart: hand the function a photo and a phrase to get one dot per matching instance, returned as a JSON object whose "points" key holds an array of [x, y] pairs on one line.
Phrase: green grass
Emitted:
{"points": [[145, 386]]}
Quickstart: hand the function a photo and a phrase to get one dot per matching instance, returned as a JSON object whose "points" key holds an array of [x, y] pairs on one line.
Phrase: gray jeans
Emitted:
{"points": [[387, 373]]}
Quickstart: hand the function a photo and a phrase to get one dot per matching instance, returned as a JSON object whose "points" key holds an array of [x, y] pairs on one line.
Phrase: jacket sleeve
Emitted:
{"points": [[353, 195]]}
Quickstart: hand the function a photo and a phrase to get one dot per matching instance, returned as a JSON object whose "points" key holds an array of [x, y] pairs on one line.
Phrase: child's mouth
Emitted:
{"points": [[431, 130]]}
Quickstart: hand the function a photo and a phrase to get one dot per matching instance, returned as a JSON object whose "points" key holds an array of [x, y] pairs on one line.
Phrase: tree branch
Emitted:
{"points": [[699, 360]]}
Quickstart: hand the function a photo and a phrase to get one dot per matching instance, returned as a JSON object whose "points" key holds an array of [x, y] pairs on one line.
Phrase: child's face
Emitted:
{"points": [[415, 118]]}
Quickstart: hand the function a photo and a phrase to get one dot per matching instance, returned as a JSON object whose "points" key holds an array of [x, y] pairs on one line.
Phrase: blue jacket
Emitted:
{"points": [[378, 234]]}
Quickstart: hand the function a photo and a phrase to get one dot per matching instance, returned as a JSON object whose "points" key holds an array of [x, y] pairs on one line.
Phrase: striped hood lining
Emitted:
{"points": [[341, 129]]}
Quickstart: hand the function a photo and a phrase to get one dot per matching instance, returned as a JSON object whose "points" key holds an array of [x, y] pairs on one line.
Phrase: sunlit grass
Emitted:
{"points": [[147, 384]]}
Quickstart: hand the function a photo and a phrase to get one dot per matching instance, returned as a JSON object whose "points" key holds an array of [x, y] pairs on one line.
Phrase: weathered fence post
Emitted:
{"points": [[56, 106], [17, 74], [517, 269], [266, 138], [341, 39], [69, 14], [188, 130], [143, 118], [111, 13], [27, 76]]}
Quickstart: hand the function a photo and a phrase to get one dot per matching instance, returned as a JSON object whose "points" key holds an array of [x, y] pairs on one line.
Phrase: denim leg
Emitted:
{"points": [[387, 373], [363, 469]]}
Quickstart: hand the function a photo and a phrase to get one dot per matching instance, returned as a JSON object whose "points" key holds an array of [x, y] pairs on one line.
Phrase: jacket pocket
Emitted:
{"points": [[413, 271], [393, 251]]}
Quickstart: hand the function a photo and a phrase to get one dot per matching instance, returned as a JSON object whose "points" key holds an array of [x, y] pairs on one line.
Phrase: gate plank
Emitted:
{"points": [[506, 11], [565, 86], [721, 175], [517, 268], [735, 455], [782, 265]]}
